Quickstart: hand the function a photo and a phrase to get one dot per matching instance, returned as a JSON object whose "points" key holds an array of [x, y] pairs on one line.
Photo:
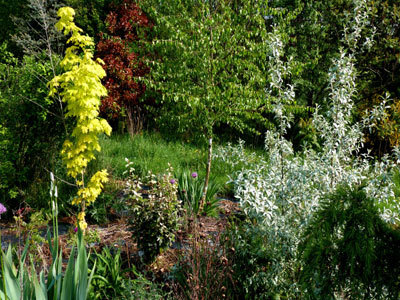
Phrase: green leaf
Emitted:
{"points": [[68, 285]]}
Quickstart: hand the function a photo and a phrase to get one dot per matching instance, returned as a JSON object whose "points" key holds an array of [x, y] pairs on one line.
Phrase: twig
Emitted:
{"points": [[62, 180]]}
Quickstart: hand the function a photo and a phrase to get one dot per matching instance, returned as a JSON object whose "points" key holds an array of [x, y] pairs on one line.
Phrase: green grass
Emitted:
{"points": [[150, 151]]}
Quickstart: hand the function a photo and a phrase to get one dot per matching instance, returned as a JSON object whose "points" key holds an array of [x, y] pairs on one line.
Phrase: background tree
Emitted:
{"points": [[124, 65], [379, 69], [314, 40], [210, 65], [7, 28], [35, 31], [91, 15]]}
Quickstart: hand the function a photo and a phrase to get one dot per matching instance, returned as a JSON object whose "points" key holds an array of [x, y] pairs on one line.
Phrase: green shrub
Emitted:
{"points": [[155, 218], [349, 250], [31, 130], [142, 288], [108, 280], [251, 258]]}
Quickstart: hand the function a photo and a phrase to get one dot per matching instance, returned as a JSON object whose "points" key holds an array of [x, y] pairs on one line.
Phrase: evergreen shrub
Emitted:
{"points": [[349, 250]]}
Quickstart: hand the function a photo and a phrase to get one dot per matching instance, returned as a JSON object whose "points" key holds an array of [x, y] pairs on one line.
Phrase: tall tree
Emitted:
{"points": [[211, 64], [123, 64], [35, 31], [80, 88]]}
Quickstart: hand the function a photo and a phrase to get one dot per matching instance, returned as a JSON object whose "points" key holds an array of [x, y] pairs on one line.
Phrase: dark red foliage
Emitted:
{"points": [[122, 65]]}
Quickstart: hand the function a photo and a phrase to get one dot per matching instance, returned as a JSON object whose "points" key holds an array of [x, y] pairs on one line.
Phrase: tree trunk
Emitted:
{"points": [[134, 120], [129, 114], [208, 169]]}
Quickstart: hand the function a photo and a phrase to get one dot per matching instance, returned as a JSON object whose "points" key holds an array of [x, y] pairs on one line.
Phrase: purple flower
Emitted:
{"points": [[3, 209], [172, 181], [76, 229], [194, 174]]}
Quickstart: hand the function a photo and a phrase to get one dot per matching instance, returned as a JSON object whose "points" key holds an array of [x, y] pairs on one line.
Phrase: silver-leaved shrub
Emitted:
{"points": [[281, 191]]}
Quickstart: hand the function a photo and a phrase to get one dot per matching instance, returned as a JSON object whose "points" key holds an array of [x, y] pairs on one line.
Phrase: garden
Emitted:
{"points": [[199, 149]]}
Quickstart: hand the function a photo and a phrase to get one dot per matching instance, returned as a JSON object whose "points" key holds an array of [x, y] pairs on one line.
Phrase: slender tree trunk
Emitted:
{"points": [[130, 126], [83, 203], [208, 170], [134, 120]]}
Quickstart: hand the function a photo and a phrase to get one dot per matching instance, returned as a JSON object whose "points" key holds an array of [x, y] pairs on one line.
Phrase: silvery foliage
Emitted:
{"points": [[268, 188], [358, 21], [236, 157], [280, 94], [283, 191], [36, 30]]}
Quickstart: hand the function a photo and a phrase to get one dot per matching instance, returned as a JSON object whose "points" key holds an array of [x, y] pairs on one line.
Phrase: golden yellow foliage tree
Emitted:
{"points": [[81, 89]]}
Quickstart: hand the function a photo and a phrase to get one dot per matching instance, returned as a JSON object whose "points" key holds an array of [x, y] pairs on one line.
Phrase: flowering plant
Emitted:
{"points": [[3, 209], [155, 216], [190, 192]]}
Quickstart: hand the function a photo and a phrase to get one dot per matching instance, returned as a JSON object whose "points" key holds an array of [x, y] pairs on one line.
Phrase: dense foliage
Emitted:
{"points": [[7, 28], [123, 65], [91, 15], [318, 213], [349, 250], [31, 128], [155, 217], [81, 90]]}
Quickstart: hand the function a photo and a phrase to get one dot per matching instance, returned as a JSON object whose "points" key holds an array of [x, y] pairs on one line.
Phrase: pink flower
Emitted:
{"points": [[3, 209], [194, 174], [76, 229], [172, 181]]}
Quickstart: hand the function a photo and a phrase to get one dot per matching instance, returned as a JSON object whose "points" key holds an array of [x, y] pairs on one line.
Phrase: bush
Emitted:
{"points": [[111, 282], [31, 130], [155, 218], [108, 280], [349, 250], [254, 260]]}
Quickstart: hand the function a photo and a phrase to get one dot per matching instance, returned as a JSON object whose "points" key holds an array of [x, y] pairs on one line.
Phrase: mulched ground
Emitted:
{"points": [[117, 235]]}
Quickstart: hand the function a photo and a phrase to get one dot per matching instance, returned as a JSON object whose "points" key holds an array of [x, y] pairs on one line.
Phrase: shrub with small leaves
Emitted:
{"points": [[251, 257], [155, 216]]}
